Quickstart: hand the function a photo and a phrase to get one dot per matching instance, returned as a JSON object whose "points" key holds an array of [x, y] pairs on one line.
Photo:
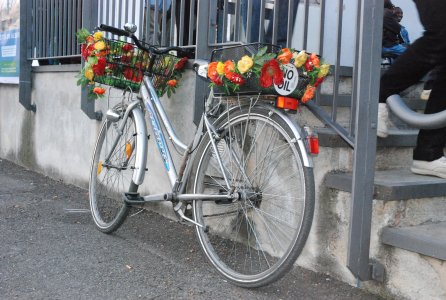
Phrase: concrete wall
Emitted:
{"points": [[58, 141]]}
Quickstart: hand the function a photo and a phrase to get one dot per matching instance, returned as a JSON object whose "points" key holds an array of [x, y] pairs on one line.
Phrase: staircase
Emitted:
{"points": [[409, 211]]}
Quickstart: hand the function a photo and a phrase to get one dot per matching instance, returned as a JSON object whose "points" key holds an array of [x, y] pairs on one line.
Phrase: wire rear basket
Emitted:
{"points": [[127, 64], [251, 85]]}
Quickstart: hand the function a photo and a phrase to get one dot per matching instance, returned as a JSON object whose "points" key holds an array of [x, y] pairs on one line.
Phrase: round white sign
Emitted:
{"points": [[290, 80]]}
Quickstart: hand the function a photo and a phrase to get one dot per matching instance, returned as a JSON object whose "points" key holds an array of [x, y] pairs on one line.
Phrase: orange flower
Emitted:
{"points": [[309, 94], [172, 83], [213, 74], [99, 91], [285, 56], [229, 67], [90, 39], [315, 60]]}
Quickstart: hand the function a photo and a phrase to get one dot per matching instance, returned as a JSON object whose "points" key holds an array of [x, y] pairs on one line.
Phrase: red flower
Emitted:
{"points": [[133, 75], [309, 66], [86, 50], [271, 73], [318, 81], [99, 68], [127, 47], [179, 65], [235, 78]]}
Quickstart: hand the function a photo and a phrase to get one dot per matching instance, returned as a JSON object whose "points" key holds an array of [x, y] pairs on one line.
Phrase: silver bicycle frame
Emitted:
{"points": [[156, 111]]}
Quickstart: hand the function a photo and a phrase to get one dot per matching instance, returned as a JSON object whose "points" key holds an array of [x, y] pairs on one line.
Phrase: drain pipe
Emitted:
{"points": [[415, 119]]}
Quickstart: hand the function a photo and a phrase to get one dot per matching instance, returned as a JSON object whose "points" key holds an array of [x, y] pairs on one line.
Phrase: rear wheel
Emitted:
{"points": [[111, 173], [254, 240]]}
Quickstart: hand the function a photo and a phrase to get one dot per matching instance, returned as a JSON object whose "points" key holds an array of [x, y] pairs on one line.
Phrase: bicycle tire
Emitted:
{"points": [[255, 240], [110, 179]]}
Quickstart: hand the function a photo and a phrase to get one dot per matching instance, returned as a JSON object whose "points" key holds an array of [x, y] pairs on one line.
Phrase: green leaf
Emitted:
{"points": [[261, 51], [82, 35]]}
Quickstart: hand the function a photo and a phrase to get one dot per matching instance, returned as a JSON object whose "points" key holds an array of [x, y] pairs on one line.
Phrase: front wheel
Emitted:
{"points": [[256, 239], [111, 173]]}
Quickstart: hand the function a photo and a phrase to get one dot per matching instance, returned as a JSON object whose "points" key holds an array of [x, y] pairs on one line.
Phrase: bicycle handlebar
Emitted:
{"points": [[418, 120], [150, 49]]}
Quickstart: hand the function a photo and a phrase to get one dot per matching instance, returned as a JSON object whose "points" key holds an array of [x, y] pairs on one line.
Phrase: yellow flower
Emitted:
{"points": [[98, 36], [300, 58], [89, 74], [220, 68], [323, 71], [99, 45], [245, 64]]}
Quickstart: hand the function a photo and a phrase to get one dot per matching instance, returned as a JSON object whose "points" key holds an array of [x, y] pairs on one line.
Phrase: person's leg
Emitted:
{"points": [[430, 143]]}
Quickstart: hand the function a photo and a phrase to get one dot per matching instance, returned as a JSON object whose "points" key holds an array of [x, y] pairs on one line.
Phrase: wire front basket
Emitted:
{"points": [[127, 64]]}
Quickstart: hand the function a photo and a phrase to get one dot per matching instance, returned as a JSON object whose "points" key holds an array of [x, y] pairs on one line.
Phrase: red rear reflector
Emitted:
{"points": [[314, 145], [287, 103]]}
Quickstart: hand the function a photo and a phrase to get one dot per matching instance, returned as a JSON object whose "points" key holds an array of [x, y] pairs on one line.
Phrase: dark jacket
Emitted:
{"points": [[391, 29]]}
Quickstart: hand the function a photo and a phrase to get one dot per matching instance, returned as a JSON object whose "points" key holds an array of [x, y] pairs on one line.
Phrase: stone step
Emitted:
{"points": [[426, 239], [396, 184], [396, 138]]}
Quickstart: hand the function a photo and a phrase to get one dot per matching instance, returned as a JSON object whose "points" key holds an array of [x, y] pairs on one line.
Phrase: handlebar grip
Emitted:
{"points": [[114, 30]]}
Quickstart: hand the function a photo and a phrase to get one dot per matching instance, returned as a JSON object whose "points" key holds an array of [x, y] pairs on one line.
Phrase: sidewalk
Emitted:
{"points": [[47, 251]]}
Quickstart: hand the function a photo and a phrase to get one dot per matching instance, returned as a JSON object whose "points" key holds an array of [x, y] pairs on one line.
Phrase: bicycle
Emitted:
{"points": [[247, 175]]}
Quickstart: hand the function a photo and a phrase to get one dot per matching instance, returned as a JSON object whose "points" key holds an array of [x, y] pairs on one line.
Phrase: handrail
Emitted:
{"points": [[418, 120]]}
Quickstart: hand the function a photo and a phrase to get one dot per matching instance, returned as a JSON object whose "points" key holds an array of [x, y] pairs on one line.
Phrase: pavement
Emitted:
{"points": [[50, 249]]}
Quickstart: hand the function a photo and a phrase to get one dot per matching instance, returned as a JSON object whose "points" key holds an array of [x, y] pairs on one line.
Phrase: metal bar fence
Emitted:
{"points": [[205, 26]]}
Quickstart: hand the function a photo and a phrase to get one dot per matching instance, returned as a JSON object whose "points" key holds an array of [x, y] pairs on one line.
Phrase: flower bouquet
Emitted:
{"points": [[266, 69], [122, 65]]}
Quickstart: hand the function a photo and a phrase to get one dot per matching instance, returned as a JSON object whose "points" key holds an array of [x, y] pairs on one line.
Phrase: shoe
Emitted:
{"points": [[383, 120], [434, 168], [425, 94]]}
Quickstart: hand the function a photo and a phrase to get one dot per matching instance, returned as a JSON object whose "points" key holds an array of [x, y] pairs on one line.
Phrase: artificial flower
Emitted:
{"points": [[90, 39], [220, 68], [300, 59], [213, 74], [180, 64], [172, 83], [245, 64], [318, 81], [100, 45], [309, 66], [127, 47], [271, 73], [86, 50], [309, 94], [323, 71], [132, 74], [98, 35], [99, 90], [315, 60], [285, 56], [99, 68], [235, 78], [229, 67], [89, 74]]}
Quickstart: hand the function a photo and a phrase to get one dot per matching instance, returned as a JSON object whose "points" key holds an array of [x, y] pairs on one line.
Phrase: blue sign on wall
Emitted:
{"points": [[9, 56]]}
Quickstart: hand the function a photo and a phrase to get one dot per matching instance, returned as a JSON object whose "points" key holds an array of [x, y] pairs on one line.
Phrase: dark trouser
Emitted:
{"points": [[424, 54]]}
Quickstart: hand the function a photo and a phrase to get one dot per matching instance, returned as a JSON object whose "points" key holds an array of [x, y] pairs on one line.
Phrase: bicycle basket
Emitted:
{"points": [[127, 64], [252, 83]]}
